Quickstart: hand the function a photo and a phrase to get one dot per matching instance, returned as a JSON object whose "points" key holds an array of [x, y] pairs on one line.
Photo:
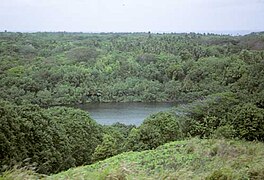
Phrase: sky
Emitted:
{"points": [[132, 15]]}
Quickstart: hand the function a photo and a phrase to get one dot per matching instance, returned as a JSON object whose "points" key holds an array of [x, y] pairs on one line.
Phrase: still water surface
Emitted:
{"points": [[126, 113]]}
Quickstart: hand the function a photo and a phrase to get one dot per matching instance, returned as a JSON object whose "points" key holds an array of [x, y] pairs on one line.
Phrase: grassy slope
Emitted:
{"points": [[190, 159]]}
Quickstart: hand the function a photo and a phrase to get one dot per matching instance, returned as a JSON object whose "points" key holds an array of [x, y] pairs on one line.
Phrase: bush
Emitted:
{"points": [[248, 121], [256, 173], [226, 131], [54, 139], [156, 130], [220, 175], [107, 149], [203, 117]]}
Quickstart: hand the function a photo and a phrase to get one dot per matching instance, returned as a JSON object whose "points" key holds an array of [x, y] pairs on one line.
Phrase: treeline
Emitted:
{"points": [[221, 76], [71, 68]]}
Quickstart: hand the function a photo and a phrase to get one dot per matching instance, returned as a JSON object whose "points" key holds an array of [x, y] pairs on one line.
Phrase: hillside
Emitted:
{"points": [[189, 159]]}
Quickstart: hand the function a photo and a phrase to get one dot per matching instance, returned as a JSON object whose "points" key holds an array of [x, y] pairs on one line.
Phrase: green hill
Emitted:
{"points": [[190, 159]]}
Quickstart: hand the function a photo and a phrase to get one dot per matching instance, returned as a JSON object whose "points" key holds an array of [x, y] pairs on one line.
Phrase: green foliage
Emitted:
{"points": [[221, 75], [16, 71], [83, 54], [122, 128], [114, 141], [248, 121], [71, 68], [226, 131], [106, 149], [189, 159], [256, 173], [205, 116], [21, 173], [156, 130], [222, 116], [220, 175], [54, 139]]}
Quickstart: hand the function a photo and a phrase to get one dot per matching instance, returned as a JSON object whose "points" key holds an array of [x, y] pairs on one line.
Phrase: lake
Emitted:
{"points": [[126, 113]]}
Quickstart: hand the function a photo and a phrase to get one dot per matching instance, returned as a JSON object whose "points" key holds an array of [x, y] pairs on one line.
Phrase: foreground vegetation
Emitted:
{"points": [[221, 78], [190, 159]]}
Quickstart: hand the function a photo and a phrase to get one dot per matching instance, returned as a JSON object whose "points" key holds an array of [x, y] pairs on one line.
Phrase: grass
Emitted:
{"points": [[190, 159], [18, 173], [208, 159]]}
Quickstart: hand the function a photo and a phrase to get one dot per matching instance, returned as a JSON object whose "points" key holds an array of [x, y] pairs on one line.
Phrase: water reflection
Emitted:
{"points": [[127, 113]]}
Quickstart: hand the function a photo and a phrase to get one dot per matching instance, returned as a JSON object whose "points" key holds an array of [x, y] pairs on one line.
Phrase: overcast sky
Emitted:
{"points": [[131, 15]]}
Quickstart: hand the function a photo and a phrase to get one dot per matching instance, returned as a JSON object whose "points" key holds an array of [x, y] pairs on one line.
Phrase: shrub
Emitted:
{"points": [[54, 139], [220, 175], [226, 131], [108, 148], [203, 117], [156, 130], [256, 173], [248, 121]]}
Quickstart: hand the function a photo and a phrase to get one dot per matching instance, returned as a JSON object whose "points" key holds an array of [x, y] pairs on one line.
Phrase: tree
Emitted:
{"points": [[156, 130], [54, 139], [106, 149], [248, 121]]}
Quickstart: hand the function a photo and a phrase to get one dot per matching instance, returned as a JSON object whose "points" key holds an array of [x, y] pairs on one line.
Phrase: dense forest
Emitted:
{"points": [[65, 68], [220, 79]]}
